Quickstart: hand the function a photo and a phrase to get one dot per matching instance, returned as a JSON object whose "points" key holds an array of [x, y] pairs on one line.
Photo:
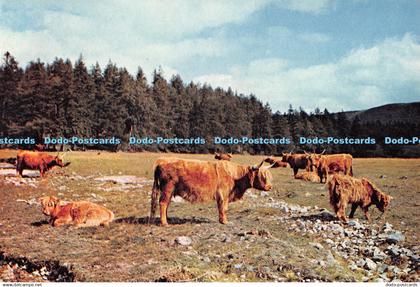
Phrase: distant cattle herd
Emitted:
{"points": [[222, 181]]}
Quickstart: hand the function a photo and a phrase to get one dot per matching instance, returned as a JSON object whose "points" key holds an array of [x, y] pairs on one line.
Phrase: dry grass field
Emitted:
{"points": [[258, 244]]}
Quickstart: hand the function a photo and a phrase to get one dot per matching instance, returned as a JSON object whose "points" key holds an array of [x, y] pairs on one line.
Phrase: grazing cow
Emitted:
{"points": [[222, 156], [297, 161], [308, 176], [333, 163], [77, 213], [37, 160], [344, 189], [202, 181], [275, 162]]}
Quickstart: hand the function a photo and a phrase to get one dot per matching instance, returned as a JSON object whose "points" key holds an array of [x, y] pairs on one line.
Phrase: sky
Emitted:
{"points": [[334, 54]]}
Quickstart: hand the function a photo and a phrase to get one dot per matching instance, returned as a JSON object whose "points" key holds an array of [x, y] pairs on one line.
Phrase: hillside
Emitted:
{"points": [[407, 112]]}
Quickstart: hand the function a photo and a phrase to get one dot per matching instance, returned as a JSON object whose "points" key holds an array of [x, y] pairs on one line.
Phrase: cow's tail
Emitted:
{"points": [[155, 194]]}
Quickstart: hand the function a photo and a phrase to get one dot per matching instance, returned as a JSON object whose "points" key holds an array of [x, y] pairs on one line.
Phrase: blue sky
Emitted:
{"points": [[338, 54]]}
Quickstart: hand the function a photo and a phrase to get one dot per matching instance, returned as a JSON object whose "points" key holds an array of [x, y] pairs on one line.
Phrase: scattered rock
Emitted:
{"points": [[370, 265], [355, 224], [183, 240], [317, 245], [382, 176], [394, 237]]}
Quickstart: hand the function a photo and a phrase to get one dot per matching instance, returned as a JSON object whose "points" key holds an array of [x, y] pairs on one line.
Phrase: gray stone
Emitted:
{"points": [[183, 240], [395, 237], [329, 241], [238, 266], [330, 259], [361, 262], [316, 245], [378, 255], [353, 267], [355, 224], [336, 228], [370, 265], [382, 268]]}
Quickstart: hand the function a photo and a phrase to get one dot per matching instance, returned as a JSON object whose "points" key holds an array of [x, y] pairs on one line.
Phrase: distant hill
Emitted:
{"points": [[409, 112]]}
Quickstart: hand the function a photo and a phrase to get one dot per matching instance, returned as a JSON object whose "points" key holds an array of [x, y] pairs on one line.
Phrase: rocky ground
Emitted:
{"points": [[268, 238]]}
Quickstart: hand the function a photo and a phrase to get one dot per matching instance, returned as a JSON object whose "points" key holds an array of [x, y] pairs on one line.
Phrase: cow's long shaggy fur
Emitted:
{"points": [[308, 176], [201, 181], [36, 160], [362, 193], [77, 213]]}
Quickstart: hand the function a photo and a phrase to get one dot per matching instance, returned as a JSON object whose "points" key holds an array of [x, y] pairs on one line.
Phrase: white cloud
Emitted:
{"points": [[309, 6], [130, 33], [363, 78]]}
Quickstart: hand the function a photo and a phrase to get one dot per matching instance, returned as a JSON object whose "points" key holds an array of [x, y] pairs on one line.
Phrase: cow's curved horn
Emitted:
{"points": [[323, 151], [306, 152], [269, 166], [255, 167]]}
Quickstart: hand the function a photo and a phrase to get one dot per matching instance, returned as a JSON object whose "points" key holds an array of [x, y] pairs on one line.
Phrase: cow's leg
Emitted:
{"points": [[222, 205], [295, 171], [353, 210], [41, 171], [341, 213], [164, 201], [61, 221], [366, 211]]}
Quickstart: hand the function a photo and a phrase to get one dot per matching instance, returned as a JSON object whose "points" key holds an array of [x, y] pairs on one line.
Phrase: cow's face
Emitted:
{"points": [[384, 202], [58, 161], [380, 199], [48, 204], [314, 159], [262, 178], [285, 157]]}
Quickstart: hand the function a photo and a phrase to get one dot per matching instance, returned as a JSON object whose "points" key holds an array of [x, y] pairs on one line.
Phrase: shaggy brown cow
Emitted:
{"points": [[222, 156], [37, 160], [77, 213], [333, 163], [275, 162], [344, 189], [297, 161], [201, 181], [308, 176]]}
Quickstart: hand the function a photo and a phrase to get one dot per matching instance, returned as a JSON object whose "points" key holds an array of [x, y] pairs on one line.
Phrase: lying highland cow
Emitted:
{"points": [[275, 162], [308, 176], [345, 189], [223, 156], [78, 213]]}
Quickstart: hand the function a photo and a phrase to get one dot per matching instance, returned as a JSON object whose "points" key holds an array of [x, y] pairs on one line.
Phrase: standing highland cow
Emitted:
{"points": [[37, 160], [361, 193], [201, 181]]}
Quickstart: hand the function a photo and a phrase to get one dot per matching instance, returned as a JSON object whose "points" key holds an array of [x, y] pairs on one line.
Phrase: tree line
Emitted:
{"points": [[65, 99]]}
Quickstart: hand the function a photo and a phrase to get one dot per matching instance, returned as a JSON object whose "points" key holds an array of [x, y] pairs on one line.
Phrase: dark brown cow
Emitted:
{"points": [[202, 181], [297, 161], [275, 162], [344, 189], [332, 163], [222, 156], [37, 160]]}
